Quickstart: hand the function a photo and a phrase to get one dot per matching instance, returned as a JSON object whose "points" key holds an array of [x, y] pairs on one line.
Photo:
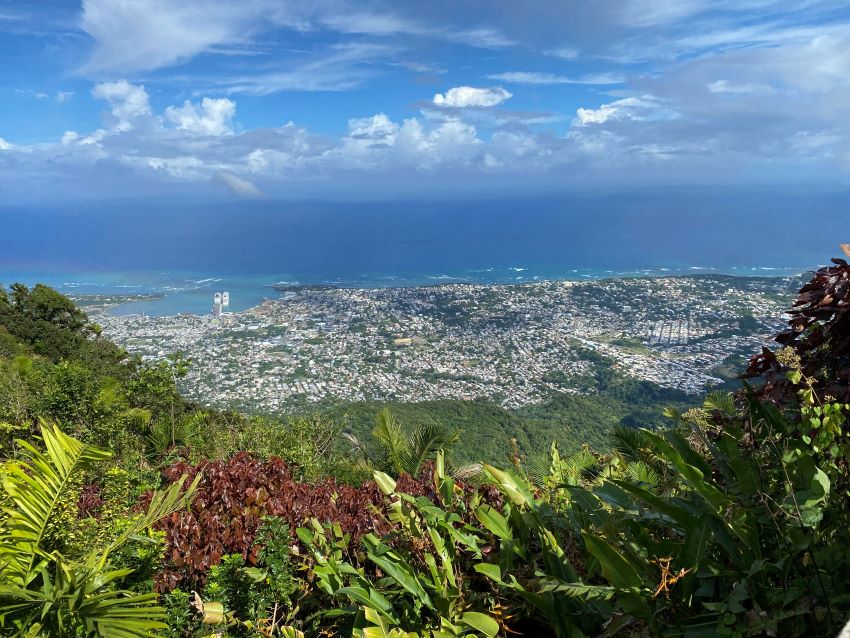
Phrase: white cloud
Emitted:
{"points": [[64, 96], [370, 23], [485, 38], [9, 16], [139, 35], [376, 127], [128, 101], [341, 67], [4, 145], [565, 53], [132, 36], [182, 167], [534, 77], [211, 117], [641, 108], [724, 87], [466, 96], [238, 185]]}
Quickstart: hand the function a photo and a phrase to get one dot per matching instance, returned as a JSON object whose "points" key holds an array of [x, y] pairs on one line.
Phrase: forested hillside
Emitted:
{"points": [[130, 512], [488, 431]]}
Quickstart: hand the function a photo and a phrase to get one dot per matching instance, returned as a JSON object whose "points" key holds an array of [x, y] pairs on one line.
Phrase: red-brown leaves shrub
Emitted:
{"points": [[90, 502], [233, 497], [819, 334]]}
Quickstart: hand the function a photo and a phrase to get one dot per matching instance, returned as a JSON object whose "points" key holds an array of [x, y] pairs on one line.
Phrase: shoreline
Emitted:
{"points": [[169, 293], [301, 289]]}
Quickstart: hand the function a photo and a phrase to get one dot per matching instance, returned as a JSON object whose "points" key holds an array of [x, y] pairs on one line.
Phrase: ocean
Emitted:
{"points": [[188, 251]]}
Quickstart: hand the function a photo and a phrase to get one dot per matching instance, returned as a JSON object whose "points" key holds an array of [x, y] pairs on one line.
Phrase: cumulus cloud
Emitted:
{"points": [[238, 185], [468, 96], [377, 127], [4, 145], [129, 102], [210, 117]]}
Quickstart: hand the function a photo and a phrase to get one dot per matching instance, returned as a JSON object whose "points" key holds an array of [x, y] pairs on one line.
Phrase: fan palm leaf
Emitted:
{"points": [[632, 443], [394, 443], [403, 452], [424, 444]]}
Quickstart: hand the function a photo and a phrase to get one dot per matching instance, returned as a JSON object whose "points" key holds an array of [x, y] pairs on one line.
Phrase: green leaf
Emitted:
{"points": [[371, 599], [385, 483], [34, 487], [490, 570], [616, 569], [696, 538], [394, 567], [514, 488], [493, 520], [481, 622]]}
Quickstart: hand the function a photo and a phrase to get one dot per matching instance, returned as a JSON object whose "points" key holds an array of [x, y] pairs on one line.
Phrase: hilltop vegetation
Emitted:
{"points": [[734, 521]]}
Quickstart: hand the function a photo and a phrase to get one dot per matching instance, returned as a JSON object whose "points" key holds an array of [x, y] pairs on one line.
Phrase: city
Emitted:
{"points": [[511, 344]]}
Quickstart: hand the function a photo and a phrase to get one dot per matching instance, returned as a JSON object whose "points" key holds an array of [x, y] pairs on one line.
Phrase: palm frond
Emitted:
{"points": [[164, 435], [67, 591], [424, 444], [175, 497], [572, 469], [391, 437], [468, 472], [722, 401], [43, 588], [641, 473], [632, 443], [34, 486]]}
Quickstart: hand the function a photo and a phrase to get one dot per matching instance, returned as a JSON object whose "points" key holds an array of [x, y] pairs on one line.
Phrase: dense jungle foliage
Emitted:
{"points": [[572, 420], [129, 512]]}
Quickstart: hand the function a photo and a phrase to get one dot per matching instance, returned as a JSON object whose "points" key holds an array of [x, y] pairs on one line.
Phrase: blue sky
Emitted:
{"points": [[334, 98]]}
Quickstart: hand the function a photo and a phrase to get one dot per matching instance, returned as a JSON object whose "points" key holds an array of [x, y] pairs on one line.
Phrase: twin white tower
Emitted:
{"points": [[221, 301]]}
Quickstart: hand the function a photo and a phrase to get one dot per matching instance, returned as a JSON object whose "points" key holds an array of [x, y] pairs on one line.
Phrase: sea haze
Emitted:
{"points": [[187, 251]]}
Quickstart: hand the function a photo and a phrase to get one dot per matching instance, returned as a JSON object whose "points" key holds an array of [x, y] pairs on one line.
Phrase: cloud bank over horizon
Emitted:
{"points": [[140, 98]]}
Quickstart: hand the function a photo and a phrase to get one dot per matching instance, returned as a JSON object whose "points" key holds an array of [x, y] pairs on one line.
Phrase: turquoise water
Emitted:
{"points": [[192, 292]]}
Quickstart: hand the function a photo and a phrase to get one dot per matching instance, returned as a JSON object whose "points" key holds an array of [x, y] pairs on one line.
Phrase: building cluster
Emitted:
{"points": [[513, 344]]}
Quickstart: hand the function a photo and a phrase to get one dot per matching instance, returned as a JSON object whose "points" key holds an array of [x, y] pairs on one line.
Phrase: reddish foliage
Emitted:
{"points": [[819, 334], [233, 497], [90, 501]]}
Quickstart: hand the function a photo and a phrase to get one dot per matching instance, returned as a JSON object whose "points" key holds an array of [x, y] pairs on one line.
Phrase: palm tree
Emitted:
{"points": [[403, 452], [45, 593]]}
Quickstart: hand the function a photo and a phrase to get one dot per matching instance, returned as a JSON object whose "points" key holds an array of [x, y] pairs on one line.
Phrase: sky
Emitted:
{"points": [[276, 99]]}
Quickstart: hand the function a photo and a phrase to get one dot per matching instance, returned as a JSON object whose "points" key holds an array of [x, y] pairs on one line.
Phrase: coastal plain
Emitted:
{"points": [[513, 345]]}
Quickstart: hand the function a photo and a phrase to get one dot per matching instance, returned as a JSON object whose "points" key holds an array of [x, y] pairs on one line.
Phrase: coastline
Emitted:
{"points": [[169, 293]]}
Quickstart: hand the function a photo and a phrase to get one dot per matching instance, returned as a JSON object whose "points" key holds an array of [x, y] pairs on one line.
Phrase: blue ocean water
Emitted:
{"points": [[189, 251]]}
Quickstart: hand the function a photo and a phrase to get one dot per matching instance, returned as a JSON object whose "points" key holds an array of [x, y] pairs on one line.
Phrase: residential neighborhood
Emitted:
{"points": [[513, 344]]}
